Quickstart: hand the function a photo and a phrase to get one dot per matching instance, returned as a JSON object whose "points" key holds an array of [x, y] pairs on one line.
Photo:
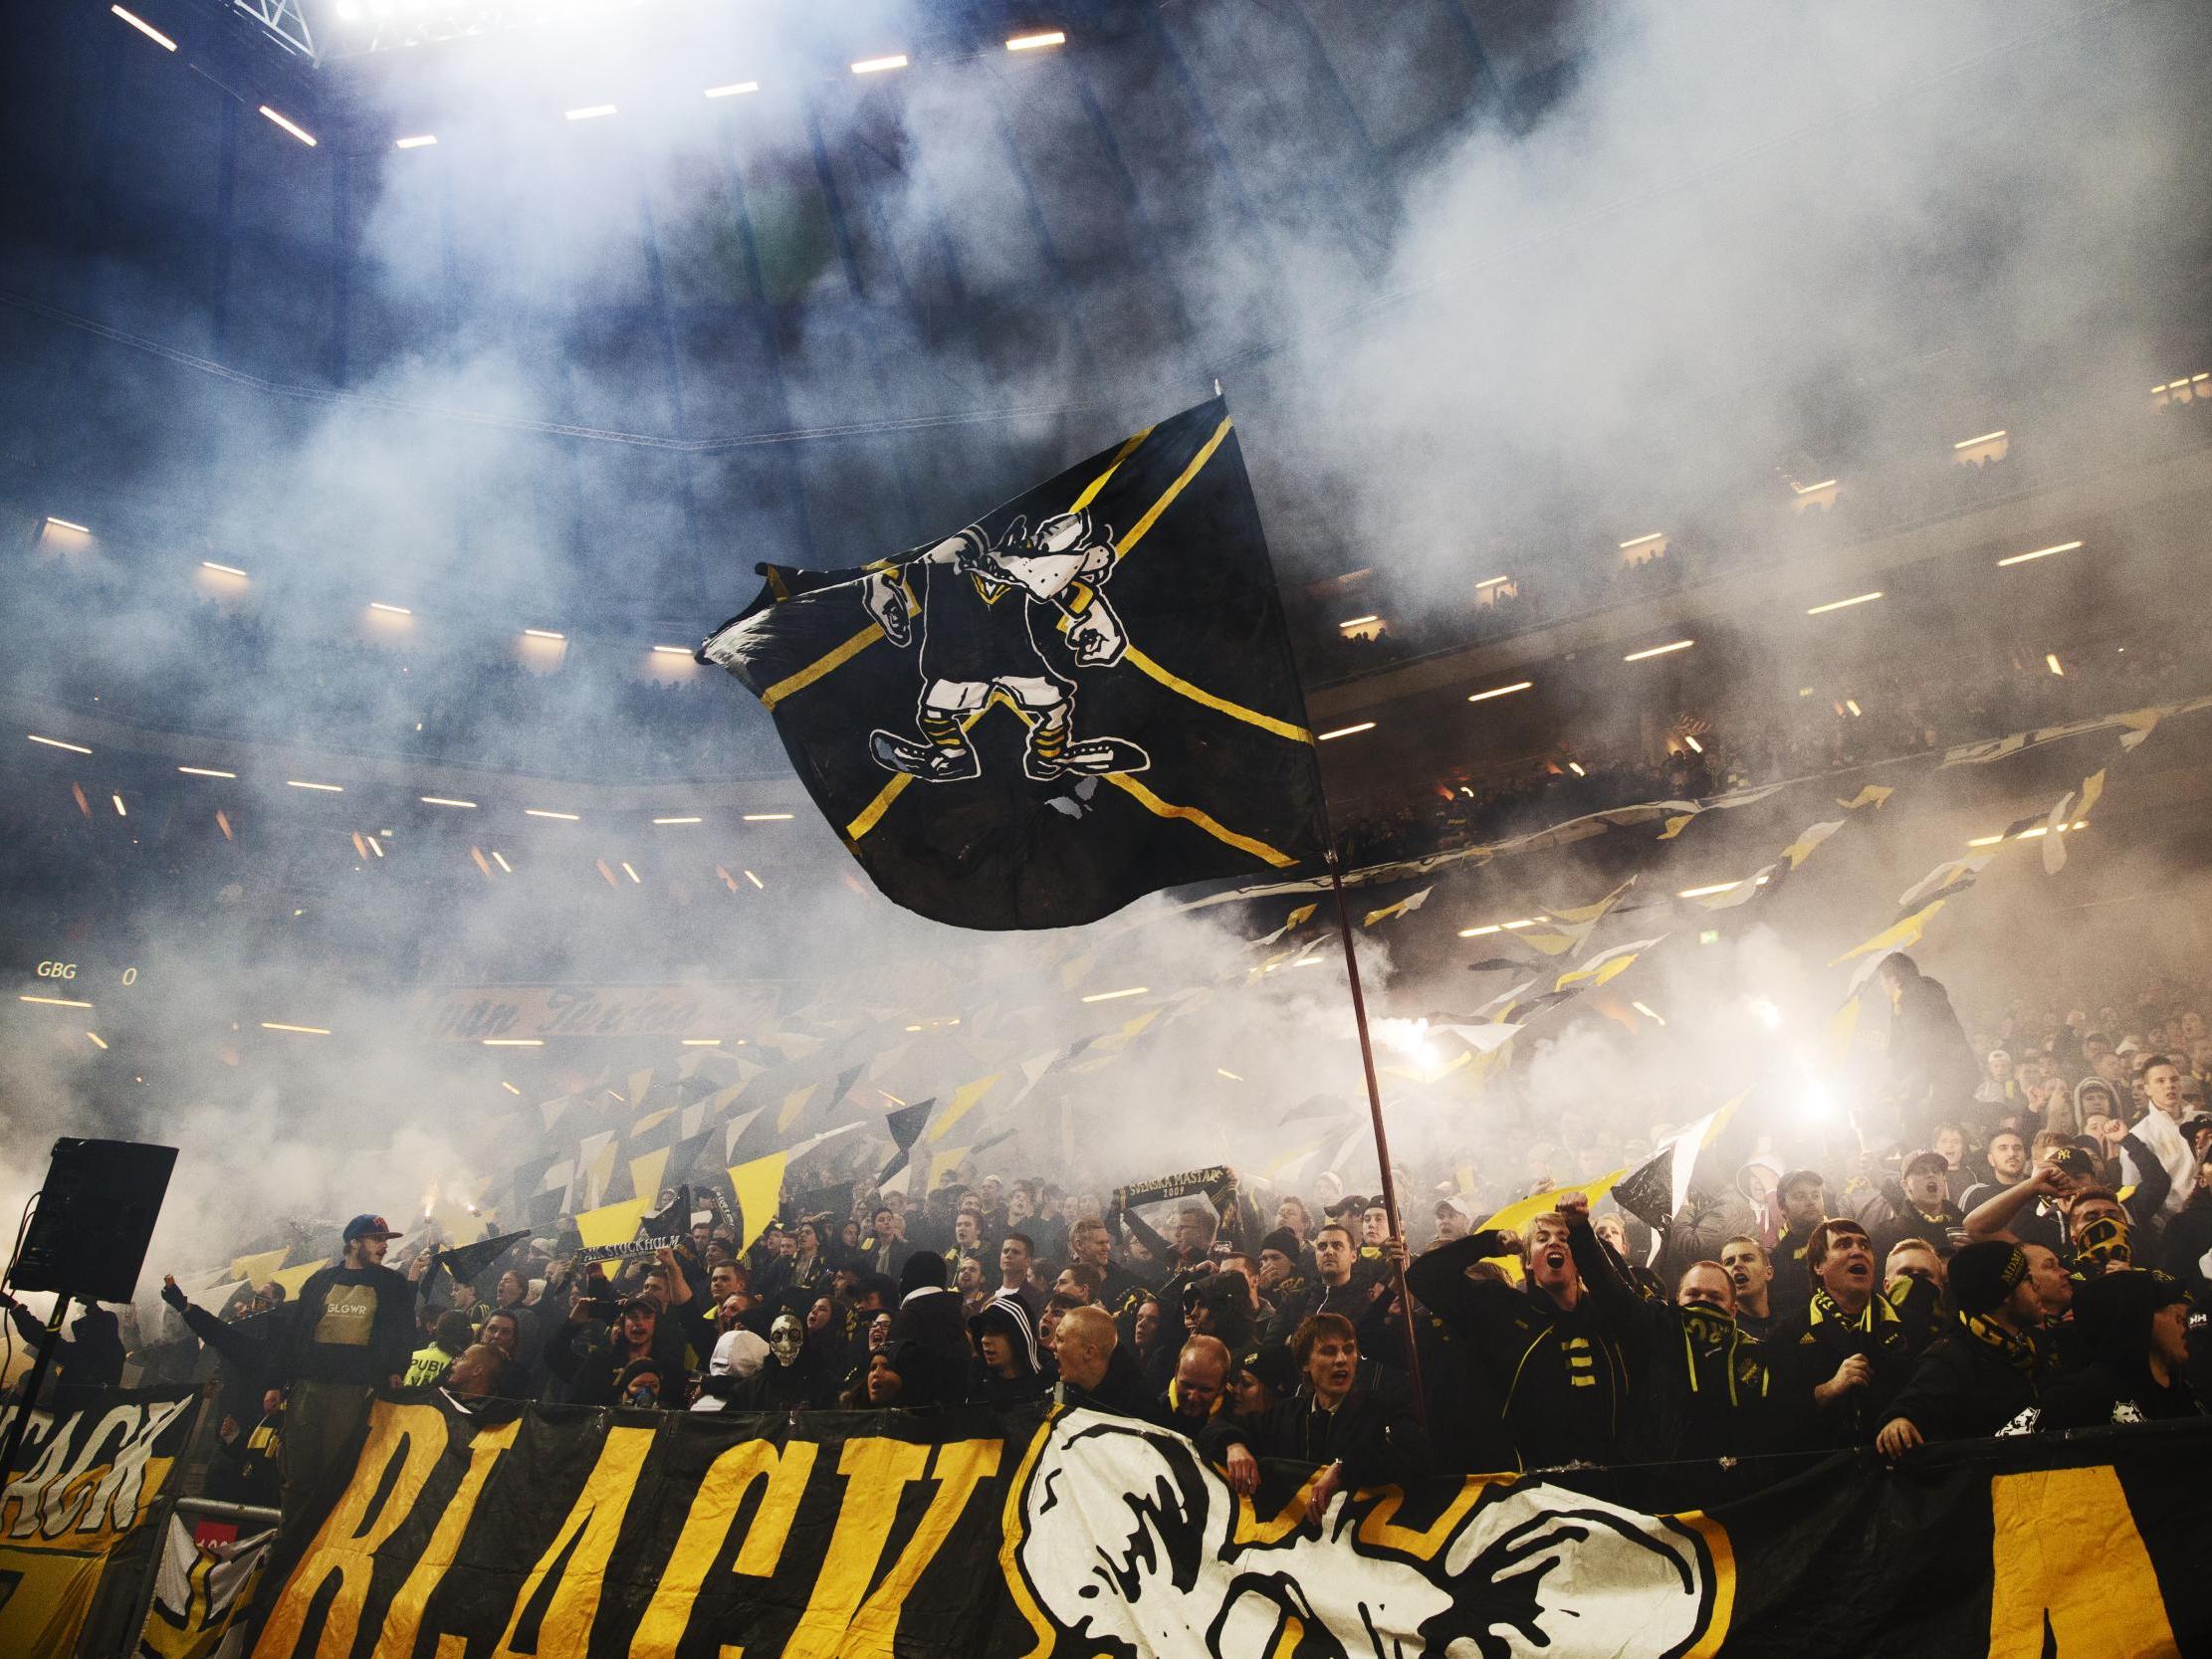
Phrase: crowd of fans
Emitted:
{"points": [[2017, 1243]]}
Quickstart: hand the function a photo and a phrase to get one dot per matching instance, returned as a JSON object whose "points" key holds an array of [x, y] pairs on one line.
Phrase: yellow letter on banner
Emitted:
{"points": [[598, 1516], [404, 1616], [877, 1471], [959, 1465], [713, 1509], [2065, 1550], [350, 1536]]}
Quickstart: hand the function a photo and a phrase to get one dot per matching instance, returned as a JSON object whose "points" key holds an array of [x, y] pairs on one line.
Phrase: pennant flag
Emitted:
{"points": [[671, 1218], [950, 1158], [610, 1224], [962, 1102], [651, 1122], [1494, 965], [793, 1104], [1874, 795], [1605, 965], [295, 1279], [734, 1130], [1092, 684], [471, 1261], [257, 1269], [758, 1186], [2093, 788], [905, 1125], [1591, 913], [1656, 1190], [1900, 936], [1515, 1218], [834, 1202], [645, 1175], [2140, 724], [640, 1082], [1404, 906], [1297, 919], [1954, 875], [1679, 822], [2054, 842], [1798, 850]]}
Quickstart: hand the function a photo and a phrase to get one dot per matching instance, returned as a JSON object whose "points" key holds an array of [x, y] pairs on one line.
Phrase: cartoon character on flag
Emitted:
{"points": [[976, 616]]}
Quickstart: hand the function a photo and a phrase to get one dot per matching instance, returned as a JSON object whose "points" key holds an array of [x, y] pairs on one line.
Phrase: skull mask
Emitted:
{"points": [[785, 1337]]}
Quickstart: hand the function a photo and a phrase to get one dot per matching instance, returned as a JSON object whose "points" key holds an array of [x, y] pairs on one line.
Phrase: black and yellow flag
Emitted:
{"points": [[1083, 696]]}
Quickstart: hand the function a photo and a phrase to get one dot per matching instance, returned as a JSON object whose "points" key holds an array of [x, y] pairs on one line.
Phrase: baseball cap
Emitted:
{"points": [[1927, 1160], [2073, 1160], [369, 1226]]}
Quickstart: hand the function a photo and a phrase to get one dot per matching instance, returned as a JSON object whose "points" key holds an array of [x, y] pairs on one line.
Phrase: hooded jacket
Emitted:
{"points": [[1005, 1314]]}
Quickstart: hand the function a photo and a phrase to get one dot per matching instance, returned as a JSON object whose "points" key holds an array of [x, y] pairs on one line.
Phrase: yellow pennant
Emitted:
{"points": [[1901, 936], [759, 1187]]}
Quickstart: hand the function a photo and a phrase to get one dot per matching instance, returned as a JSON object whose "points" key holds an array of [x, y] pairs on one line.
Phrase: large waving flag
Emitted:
{"points": [[1083, 696]]}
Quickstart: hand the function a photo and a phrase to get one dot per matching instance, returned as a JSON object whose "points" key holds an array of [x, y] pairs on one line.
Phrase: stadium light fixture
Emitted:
{"points": [[1851, 704], [445, 800], [543, 633], [56, 743], [389, 610], [290, 125], [205, 771], [1649, 1013], [120, 811], [701, 1042], [499, 857], [419, 141], [325, 788], [53, 1001], [97, 1040], [2040, 553], [755, 881], [632, 874], [589, 112], [877, 66], [1345, 732], [665, 821], [1575, 766], [1657, 650], [768, 817], [1037, 42], [1500, 691], [222, 569], [152, 34], [301, 1030], [542, 812], [1115, 996], [1842, 604], [508, 1087], [2051, 662], [1635, 542], [735, 89], [1985, 438], [68, 525], [1490, 583], [1357, 621], [1502, 926], [1708, 892], [671, 650], [1695, 747], [513, 1042]]}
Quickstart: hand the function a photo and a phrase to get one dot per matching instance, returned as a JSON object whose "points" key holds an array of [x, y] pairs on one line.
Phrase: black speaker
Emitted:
{"points": [[94, 1219]]}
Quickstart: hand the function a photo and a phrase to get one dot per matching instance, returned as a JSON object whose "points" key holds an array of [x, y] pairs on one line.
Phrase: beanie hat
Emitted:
{"points": [[1273, 1363], [1983, 1274], [1282, 1239], [924, 1270]]}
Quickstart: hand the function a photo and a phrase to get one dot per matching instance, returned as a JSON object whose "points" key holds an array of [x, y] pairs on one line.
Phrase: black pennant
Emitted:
{"points": [[470, 1261], [905, 1125]]}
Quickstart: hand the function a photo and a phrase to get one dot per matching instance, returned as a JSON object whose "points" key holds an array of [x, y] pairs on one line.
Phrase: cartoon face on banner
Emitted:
{"points": [[974, 617], [1132, 1544]]}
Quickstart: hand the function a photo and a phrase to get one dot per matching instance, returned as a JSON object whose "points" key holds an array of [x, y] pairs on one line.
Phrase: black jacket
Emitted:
{"points": [[1964, 1389], [1378, 1443], [1558, 1377], [90, 1357], [1122, 1390], [936, 1364], [1808, 1351], [348, 1324]]}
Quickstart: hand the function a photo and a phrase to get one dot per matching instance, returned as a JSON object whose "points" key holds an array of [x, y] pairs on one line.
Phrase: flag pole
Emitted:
{"points": [[1382, 1140]]}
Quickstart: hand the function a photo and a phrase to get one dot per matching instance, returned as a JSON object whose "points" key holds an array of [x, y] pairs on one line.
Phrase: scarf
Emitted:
{"points": [[1876, 1314], [2018, 1351]]}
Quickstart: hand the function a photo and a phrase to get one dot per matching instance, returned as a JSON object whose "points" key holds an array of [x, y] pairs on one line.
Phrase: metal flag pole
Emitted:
{"points": [[19, 1425], [1382, 1140]]}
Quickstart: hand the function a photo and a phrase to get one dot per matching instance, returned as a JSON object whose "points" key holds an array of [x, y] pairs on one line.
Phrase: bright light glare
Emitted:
{"points": [[1223, 1071], [543, 633], [1985, 438], [541, 812], [513, 1042], [735, 89], [96, 1038], [159, 39], [768, 817], [1643, 540], [421, 141], [1575, 766], [1357, 621], [55, 1001], [671, 650], [326, 788], [1708, 892], [677, 820], [66, 524], [119, 812], [1492, 581], [876, 65], [755, 881], [1695, 747], [1500, 691], [591, 111], [632, 874], [1033, 43], [1765, 1012], [1648, 1012], [56, 743], [1842, 604], [1658, 650], [499, 857], [389, 610], [226, 569], [1502, 926], [444, 800], [2040, 553], [302, 1030], [1112, 996], [2051, 662], [291, 126], [1346, 731]]}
